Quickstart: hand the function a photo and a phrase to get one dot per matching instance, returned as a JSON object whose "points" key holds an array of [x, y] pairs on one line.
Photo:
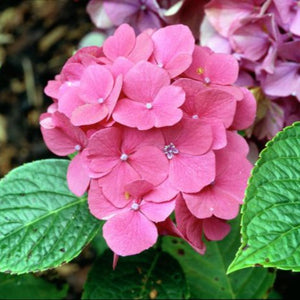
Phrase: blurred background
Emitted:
{"points": [[36, 38]]}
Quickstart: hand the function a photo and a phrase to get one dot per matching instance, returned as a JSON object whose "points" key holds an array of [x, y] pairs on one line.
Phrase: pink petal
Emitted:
{"points": [[88, 114], [121, 65], [72, 72], [60, 136], [133, 139], [189, 226], [112, 99], [99, 205], [150, 163], [165, 106], [222, 69], [157, 212], [139, 188], [232, 173], [212, 201], [96, 83], [190, 173], [113, 184], [218, 133], [103, 150], [69, 101], [143, 82], [245, 112], [143, 48], [129, 233], [121, 43], [173, 48], [236, 143], [197, 67], [189, 137], [52, 88], [163, 110], [142, 118], [77, 176], [161, 193], [215, 229], [209, 103]]}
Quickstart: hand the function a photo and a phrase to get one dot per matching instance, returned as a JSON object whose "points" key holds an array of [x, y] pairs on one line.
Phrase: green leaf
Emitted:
{"points": [[98, 243], [29, 287], [42, 224], [271, 213], [206, 274], [152, 274]]}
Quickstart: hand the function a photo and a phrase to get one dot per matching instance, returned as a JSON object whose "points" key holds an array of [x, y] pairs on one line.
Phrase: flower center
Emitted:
{"points": [[170, 150], [207, 80], [135, 206], [124, 156], [149, 105], [77, 147]]}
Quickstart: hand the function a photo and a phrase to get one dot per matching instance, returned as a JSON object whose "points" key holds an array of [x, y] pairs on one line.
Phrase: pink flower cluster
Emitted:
{"points": [[153, 120], [265, 38]]}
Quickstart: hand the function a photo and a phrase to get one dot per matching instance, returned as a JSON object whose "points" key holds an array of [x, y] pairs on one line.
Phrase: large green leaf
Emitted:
{"points": [[29, 287], [271, 213], [42, 224], [152, 274], [206, 274]]}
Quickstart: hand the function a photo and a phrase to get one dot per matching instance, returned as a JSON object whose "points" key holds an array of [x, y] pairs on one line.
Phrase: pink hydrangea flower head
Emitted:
{"points": [[152, 98], [153, 121]]}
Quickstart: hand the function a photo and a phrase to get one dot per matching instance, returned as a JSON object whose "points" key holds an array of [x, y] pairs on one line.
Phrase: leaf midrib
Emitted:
{"points": [[78, 201]]}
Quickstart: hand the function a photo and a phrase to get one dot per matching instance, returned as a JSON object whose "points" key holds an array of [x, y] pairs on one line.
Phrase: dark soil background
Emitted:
{"points": [[36, 38]]}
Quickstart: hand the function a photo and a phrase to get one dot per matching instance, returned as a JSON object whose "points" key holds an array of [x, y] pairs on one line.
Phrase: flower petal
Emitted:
{"points": [[77, 176], [129, 233]]}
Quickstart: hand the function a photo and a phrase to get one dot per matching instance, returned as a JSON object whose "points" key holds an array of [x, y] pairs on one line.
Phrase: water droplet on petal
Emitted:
{"points": [[160, 65], [211, 209], [294, 93], [100, 100], [195, 117]]}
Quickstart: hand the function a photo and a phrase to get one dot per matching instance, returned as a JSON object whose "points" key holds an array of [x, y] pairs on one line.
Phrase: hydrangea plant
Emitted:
{"points": [[151, 125]]}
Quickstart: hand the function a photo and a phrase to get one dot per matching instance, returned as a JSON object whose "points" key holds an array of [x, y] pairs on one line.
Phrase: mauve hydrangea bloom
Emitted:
{"points": [[146, 14], [153, 122], [265, 38]]}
